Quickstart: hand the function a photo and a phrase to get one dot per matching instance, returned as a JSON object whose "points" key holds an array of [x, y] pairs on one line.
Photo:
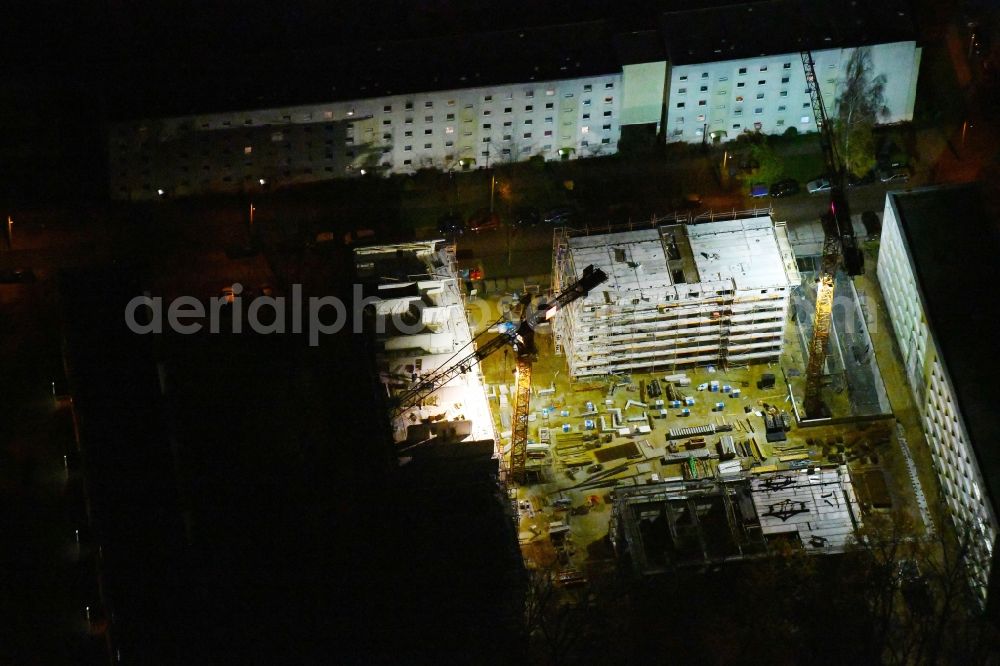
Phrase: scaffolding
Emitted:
{"points": [[680, 295]]}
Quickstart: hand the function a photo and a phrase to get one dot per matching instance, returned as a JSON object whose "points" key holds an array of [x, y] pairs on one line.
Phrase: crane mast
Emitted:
{"points": [[839, 246], [522, 339]]}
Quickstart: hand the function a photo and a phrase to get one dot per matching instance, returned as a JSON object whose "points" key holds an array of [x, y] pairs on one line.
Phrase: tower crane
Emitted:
{"points": [[839, 246], [522, 339]]}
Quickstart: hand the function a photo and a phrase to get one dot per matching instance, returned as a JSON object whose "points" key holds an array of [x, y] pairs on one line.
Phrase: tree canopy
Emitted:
{"points": [[859, 107]]}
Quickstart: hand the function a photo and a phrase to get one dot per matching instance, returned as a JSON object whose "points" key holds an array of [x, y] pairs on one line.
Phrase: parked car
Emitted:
{"points": [[818, 185], [690, 201], [359, 236], [451, 224], [559, 216], [980, 42], [858, 181], [526, 217], [898, 175], [784, 188], [17, 275], [758, 190], [483, 220]]}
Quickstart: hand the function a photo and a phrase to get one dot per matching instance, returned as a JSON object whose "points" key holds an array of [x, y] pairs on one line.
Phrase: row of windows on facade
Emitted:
{"points": [[671, 350], [758, 111], [698, 130], [742, 71], [525, 150], [428, 104], [970, 489], [608, 333], [742, 84], [486, 126], [352, 155], [248, 150], [280, 136], [951, 445], [739, 100]]}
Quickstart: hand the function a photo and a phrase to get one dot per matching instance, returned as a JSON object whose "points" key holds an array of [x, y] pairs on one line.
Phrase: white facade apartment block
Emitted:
{"points": [[677, 296], [769, 93], [451, 129], [951, 449]]}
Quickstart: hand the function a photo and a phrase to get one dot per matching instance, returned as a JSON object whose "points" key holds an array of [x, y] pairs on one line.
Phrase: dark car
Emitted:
{"points": [[483, 220], [526, 217], [17, 276], [859, 181], [980, 42], [559, 216], [784, 188], [690, 201], [451, 225]]}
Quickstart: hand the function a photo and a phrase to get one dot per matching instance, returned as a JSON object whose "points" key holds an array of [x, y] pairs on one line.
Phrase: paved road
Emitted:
{"points": [[530, 250], [808, 207]]}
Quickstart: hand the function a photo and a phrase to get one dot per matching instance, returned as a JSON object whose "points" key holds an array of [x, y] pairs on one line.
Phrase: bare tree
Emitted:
{"points": [[860, 105], [919, 596]]}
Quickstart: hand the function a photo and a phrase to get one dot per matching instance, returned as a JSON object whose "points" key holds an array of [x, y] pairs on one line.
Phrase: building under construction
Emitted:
{"points": [[680, 295], [416, 310]]}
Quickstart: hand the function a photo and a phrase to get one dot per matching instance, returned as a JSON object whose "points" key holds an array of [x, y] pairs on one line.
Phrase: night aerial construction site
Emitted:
{"points": [[659, 404], [685, 391]]}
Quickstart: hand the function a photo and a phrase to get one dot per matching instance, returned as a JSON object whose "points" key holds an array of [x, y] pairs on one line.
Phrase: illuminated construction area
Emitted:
{"points": [[662, 428], [643, 412], [416, 309]]}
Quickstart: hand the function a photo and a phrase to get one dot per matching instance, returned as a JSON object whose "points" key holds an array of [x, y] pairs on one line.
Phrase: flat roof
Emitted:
{"points": [[953, 240], [745, 251], [639, 47], [633, 260], [773, 27], [818, 505], [375, 69]]}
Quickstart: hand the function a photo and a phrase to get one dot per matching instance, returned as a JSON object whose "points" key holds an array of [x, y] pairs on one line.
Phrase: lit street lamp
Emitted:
{"points": [[493, 187]]}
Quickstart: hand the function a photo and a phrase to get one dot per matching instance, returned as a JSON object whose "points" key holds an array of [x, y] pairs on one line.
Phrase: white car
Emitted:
{"points": [[818, 185], [898, 175]]}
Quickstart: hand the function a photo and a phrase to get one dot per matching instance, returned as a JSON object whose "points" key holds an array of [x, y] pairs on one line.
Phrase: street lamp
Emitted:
{"points": [[493, 187], [252, 209]]}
